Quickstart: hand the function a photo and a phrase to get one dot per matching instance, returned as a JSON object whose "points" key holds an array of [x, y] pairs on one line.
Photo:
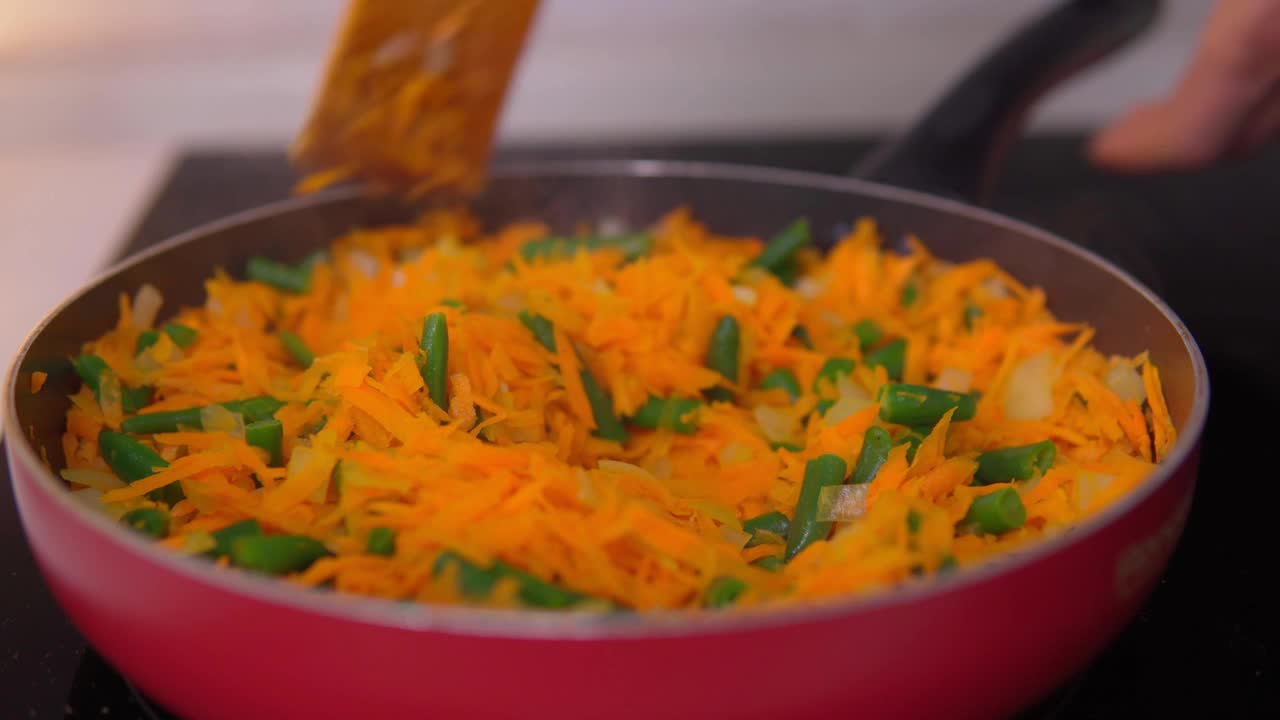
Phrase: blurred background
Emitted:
{"points": [[97, 97]]}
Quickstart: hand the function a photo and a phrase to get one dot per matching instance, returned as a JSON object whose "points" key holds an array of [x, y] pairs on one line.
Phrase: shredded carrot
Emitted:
{"points": [[511, 468], [37, 381]]}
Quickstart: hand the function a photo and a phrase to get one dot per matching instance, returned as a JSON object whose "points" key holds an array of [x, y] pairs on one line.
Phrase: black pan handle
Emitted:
{"points": [[958, 146]]}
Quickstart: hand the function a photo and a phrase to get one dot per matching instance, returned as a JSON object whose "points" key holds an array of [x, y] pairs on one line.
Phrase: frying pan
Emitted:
{"points": [[213, 643]]}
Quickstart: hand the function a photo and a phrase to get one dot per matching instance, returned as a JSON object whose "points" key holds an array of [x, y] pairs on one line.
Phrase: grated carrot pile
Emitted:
{"points": [[510, 468]]}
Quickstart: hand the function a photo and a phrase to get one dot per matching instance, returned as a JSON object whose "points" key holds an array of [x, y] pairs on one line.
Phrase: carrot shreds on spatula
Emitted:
{"points": [[412, 94]]}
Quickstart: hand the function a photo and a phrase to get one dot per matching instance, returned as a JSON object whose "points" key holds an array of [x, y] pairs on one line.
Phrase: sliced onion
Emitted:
{"points": [[197, 543], [851, 397], [215, 418], [995, 287], [768, 537], [611, 225], [92, 499], [808, 287], [97, 479], [586, 489], [745, 295], [395, 48], [146, 305], [1028, 395], [736, 537], [1123, 380], [622, 467], [661, 468], [777, 424], [842, 502], [365, 263], [109, 395], [439, 56], [1089, 485], [398, 278], [954, 380], [735, 453]]}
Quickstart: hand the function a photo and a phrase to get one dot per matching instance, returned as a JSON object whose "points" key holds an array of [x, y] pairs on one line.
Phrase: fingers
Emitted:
{"points": [[1221, 104]]}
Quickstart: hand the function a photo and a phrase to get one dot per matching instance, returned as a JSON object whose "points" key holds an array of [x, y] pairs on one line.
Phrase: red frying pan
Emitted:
{"points": [[984, 642]]}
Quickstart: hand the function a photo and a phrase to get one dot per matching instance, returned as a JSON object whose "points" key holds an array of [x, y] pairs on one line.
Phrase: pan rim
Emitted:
{"points": [[553, 625]]}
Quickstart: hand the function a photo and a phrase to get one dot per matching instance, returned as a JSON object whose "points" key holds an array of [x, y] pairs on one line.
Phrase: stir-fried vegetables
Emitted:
{"points": [[658, 419]]}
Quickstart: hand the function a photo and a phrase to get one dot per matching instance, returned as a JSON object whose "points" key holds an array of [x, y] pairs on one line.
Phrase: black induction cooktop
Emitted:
{"points": [[1208, 640]]}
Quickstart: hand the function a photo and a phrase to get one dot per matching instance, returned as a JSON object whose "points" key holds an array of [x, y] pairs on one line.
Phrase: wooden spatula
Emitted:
{"points": [[412, 94]]}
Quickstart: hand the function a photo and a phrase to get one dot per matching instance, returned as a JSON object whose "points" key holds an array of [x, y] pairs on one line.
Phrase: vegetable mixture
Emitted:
{"points": [[663, 419]]}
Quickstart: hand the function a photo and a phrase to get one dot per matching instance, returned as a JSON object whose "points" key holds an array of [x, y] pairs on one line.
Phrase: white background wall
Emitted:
{"points": [[236, 70]]}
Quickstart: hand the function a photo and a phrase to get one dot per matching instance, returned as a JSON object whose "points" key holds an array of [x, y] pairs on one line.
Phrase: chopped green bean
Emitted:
{"points": [[782, 379], [801, 334], [868, 334], [723, 591], [382, 541], [134, 399], [132, 461], [772, 563], [473, 581], [997, 512], [435, 366], [910, 293], [153, 522], [253, 410], [146, 339], [892, 357], [971, 314], [224, 537], [919, 405], [181, 335], [913, 521], [786, 446], [269, 435], [674, 413], [608, 426], [276, 554], [90, 368], [947, 564], [722, 353], [830, 370], [542, 329], [297, 349], [296, 280], [823, 471], [773, 522], [1015, 463], [632, 246], [784, 246], [876, 444], [452, 302], [536, 592], [912, 440]]}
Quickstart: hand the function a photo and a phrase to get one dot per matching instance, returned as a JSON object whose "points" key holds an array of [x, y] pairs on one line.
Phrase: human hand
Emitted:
{"points": [[1226, 103]]}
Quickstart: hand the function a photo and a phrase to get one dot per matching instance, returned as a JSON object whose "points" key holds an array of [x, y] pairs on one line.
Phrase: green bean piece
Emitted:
{"points": [[542, 329], [276, 554], [997, 512], [435, 367], [876, 444], [947, 564], [912, 440], [913, 521], [823, 406], [269, 435], [132, 461], [782, 379], [892, 357], [134, 399], [868, 334], [823, 471], [722, 353], [1015, 463], [287, 278], [784, 246], [146, 339], [255, 408], [772, 563], [675, 413], [832, 369], [801, 334], [608, 426], [473, 581], [723, 591], [536, 592], [919, 405], [297, 349], [786, 446], [774, 522], [223, 538], [382, 541], [149, 521], [452, 302], [181, 335], [632, 246], [971, 314], [90, 369], [788, 270], [910, 293]]}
